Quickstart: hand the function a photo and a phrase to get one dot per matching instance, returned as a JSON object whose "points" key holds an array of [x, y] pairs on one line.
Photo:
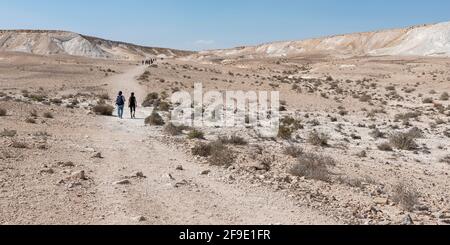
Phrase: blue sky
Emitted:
{"points": [[209, 24]]}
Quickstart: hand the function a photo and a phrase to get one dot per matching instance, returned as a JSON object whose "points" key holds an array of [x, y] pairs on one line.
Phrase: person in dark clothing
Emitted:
{"points": [[120, 102], [133, 104]]}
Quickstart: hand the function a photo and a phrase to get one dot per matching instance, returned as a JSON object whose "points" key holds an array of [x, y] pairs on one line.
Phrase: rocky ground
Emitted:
{"points": [[363, 141]]}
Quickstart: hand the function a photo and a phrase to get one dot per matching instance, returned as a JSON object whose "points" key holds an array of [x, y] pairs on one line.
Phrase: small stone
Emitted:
{"points": [[47, 171], [180, 168], [66, 164], [231, 178], [380, 201], [407, 220], [140, 219], [98, 155], [205, 172], [123, 182], [79, 175], [73, 185], [140, 175]]}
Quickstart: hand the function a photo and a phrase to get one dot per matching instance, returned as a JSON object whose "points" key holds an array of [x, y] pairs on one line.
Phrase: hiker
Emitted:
{"points": [[133, 104], [120, 102]]}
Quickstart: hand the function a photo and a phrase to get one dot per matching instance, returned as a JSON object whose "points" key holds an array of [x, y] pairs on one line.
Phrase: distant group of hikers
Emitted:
{"points": [[120, 103], [148, 62]]}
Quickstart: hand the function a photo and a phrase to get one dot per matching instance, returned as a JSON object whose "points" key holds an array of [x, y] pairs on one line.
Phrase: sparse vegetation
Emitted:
{"points": [[103, 109], [8, 133], [3, 112], [154, 119], [385, 147], [313, 166], [318, 139], [233, 140], [48, 115], [444, 96], [196, 134], [293, 151], [403, 141], [406, 196], [218, 153]]}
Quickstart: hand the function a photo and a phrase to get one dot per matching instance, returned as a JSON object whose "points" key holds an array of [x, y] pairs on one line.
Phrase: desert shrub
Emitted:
{"points": [[318, 139], [103, 109], [446, 159], [403, 141], [3, 112], [233, 140], [202, 149], [8, 133], [18, 144], [218, 153], [385, 147], [196, 134], [390, 88], [377, 134], [444, 96], [104, 96], [285, 132], [313, 166], [365, 98], [38, 97], [173, 130], [34, 113], [293, 151], [407, 116], [415, 133], [405, 196], [164, 106], [152, 99], [221, 155], [30, 120], [154, 119], [56, 101], [48, 115]]}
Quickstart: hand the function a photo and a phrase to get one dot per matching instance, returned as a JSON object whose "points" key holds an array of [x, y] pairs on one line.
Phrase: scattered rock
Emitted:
{"points": [[73, 185], [66, 164], [140, 175], [205, 172], [79, 175], [180, 184], [123, 182], [170, 176], [140, 219], [380, 201], [98, 155], [180, 168], [47, 171], [407, 220]]}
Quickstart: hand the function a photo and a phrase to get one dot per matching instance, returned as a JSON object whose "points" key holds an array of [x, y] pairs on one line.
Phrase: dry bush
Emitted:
{"points": [[293, 151], [103, 109], [428, 101], [285, 132], [3, 112], [403, 141], [415, 133], [218, 153], [446, 159], [30, 120], [221, 155], [377, 134], [8, 133], [233, 140], [34, 113], [444, 96], [173, 130], [313, 166], [104, 96], [406, 196], [48, 115], [318, 139], [202, 149], [164, 106], [19, 144], [385, 147], [151, 100], [154, 119], [196, 134]]}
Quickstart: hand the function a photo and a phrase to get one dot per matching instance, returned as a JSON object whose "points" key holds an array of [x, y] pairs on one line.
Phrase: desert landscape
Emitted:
{"points": [[364, 136]]}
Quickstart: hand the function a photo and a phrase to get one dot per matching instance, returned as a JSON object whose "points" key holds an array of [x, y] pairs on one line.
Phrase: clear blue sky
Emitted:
{"points": [[208, 24]]}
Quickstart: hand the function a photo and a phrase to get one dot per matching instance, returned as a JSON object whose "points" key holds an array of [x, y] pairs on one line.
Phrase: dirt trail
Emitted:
{"points": [[167, 195]]}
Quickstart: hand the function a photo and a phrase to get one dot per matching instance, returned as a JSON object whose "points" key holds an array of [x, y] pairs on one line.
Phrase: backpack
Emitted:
{"points": [[120, 100]]}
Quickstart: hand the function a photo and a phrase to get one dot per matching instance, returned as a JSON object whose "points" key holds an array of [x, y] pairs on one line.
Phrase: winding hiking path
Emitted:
{"points": [[167, 195]]}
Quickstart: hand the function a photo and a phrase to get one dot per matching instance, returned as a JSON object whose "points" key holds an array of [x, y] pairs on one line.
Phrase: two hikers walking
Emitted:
{"points": [[120, 103]]}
